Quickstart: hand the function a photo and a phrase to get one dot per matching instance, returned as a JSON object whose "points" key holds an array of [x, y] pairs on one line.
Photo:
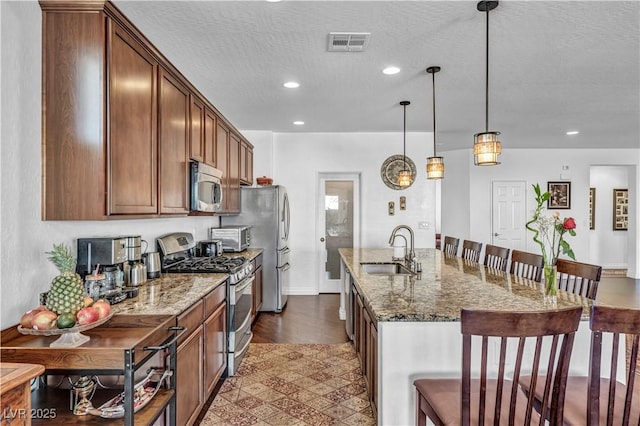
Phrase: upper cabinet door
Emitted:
{"points": [[174, 145], [210, 138], [233, 205], [132, 147], [196, 134]]}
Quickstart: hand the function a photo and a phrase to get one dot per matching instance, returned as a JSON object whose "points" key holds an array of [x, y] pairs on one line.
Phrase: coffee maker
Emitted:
{"points": [[135, 270], [108, 256]]}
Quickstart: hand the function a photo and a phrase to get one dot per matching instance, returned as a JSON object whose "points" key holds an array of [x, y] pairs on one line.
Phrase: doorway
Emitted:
{"points": [[338, 225], [508, 214]]}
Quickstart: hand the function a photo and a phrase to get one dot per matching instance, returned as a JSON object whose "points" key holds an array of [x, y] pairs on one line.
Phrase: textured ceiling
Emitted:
{"points": [[554, 66]]}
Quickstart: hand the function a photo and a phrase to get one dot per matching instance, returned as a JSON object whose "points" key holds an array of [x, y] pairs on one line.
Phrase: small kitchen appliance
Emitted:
{"points": [[152, 261], [235, 238], [209, 248], [206, 187], [100, 251], [177, 253], [110, 254]]}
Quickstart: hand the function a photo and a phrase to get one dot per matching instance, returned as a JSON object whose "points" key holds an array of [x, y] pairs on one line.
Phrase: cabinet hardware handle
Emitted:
{"points": [[181, 329]]}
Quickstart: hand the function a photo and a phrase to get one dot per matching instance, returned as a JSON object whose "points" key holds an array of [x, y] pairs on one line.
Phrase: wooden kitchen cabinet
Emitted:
{"points": [[365, 342], [246, 163], [108, 146], [174, 145], [189, 380], [215, 344], [196, 130], [233, 205], [228, 160], [210, 127], [132, 176], [201, 353]]}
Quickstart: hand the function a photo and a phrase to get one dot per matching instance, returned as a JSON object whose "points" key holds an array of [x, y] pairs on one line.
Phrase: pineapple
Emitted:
{"points": [[67, 290]]}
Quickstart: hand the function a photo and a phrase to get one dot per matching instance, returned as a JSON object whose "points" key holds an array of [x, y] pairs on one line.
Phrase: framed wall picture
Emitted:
{"points": [[592, 208], [560, 195], [620, 209]]}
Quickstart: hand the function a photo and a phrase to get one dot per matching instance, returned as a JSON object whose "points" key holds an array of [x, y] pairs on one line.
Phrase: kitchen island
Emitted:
{"points": [[414, 320]]}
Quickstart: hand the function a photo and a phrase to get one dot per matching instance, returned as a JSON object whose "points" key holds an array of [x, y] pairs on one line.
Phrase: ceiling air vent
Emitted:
{"points": [[348, 42]]}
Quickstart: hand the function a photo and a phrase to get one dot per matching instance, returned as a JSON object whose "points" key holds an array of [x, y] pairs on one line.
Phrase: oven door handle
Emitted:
{"points": [[244, 348], [244, 284]]}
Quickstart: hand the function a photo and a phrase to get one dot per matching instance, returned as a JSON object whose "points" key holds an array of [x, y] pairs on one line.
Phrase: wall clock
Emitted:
{"points": [[391, 167]]}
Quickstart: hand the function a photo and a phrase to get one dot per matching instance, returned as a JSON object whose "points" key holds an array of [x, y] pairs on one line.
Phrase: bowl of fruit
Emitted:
{"points": [[67, 311]]}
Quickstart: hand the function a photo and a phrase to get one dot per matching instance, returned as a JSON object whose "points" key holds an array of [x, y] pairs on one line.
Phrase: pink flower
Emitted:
{"points": [[556, 215]]}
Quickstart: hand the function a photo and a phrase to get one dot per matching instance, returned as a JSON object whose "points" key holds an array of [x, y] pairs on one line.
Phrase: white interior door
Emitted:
{"points": [[509, 205], [337, 226]]}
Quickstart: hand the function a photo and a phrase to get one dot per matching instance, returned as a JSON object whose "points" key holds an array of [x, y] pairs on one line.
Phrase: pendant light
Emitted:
{"points": [[404, 175], [486, 146], [435, 164]]}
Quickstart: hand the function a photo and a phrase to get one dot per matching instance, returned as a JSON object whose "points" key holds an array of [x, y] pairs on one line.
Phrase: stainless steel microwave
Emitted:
{"points": [[206, 188], [234, 238]]}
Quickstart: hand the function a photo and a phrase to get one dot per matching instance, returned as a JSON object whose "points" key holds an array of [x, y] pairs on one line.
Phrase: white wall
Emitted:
{"points": [[300, 157], [607, 245], [540, 166]]}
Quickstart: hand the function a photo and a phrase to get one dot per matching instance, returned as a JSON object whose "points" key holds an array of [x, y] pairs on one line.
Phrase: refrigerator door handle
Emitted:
{"points": [[287, 217]]}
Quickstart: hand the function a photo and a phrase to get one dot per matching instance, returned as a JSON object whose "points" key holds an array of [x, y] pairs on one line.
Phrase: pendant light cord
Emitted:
{"points": [[433, 80], [404, 139], [486, 94]]}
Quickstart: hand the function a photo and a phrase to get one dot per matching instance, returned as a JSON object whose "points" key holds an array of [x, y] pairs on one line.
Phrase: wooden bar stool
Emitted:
{"points": [[597, 399], [488, 399], [578, 278], [527, 265], [471, 250], [496, 257], [451, 245]]}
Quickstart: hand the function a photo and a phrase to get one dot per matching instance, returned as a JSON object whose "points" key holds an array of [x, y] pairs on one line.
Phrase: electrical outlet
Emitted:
{"points": [[391, 208], [423, 225]]}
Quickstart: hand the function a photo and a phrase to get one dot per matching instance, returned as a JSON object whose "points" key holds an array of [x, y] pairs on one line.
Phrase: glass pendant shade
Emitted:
{"points": [[404, 178], [486, 148], [435, 168]]}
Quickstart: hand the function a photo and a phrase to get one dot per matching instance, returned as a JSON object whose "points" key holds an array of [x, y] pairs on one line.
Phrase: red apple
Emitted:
{"points": [[87, 315], [103, 307], [27, 318], [44, 320]]}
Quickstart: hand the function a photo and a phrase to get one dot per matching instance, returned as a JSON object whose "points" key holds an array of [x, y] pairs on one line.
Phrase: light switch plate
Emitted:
{"points": [[423, 225]]}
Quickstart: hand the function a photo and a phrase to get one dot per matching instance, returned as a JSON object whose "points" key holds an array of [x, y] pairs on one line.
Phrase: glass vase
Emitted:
{"points": [[550, 284]]}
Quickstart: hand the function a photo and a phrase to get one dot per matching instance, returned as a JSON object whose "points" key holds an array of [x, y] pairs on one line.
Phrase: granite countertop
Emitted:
{"points": [[170, 294], [173, 293], [445, 286]]}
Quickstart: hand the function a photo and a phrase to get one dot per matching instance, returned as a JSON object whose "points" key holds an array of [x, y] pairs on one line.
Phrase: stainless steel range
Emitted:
{"points": [[177, 257]]}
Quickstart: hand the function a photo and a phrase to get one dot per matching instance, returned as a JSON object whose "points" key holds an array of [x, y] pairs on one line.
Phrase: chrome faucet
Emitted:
{"points": [[410, 257]]}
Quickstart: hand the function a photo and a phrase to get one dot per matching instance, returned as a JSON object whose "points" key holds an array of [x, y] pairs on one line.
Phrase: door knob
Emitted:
{"points": [[495, 234], [322, 239]]}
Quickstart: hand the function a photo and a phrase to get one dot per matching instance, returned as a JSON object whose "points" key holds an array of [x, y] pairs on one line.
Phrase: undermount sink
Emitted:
{"points": [[390, 268]]}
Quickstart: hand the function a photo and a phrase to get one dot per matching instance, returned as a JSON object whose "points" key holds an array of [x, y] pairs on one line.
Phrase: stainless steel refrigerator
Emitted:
{"points": [[266, 209]]}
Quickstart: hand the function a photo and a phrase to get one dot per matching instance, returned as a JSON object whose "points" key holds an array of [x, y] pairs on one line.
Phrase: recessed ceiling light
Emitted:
{"points": [[274, 1], [391, 70], [291, 84], [572, 132], [298, 123]]}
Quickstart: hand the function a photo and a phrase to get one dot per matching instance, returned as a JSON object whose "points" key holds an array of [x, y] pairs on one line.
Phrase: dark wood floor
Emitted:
{"points": [[305, 319]]}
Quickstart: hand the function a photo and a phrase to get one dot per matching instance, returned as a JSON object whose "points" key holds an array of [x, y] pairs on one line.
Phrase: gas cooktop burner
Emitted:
{"points": [[237, 267]]}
